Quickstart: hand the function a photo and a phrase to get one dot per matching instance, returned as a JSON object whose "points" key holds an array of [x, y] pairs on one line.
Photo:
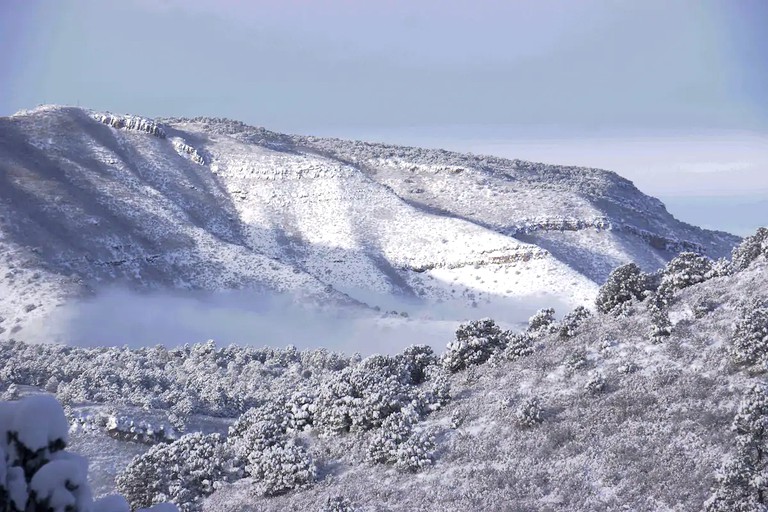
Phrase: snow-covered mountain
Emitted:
{"points": [[89, 199]]}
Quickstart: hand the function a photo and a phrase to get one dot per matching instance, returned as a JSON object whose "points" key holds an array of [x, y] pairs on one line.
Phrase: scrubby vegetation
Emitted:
{"points": [[656, 400]]}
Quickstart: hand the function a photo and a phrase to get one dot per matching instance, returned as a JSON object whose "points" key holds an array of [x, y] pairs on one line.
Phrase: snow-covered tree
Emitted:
{"points": [[37, 473], [184, 472], [397, 442], [571, 322], [625, 284], [281, 468], [595, 383], [661, 326], [750, 249], [518, 345], [743, 480], [542, 321], [475, 342], [529, 413], [749, 344], [338, 504], [684, 270]]}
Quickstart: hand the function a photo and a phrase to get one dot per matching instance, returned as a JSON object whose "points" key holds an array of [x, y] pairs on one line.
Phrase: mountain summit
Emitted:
{"points": [[89, 199]]}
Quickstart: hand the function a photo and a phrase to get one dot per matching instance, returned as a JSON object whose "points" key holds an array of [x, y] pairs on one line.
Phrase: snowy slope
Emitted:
{"points": [[89, 199]]}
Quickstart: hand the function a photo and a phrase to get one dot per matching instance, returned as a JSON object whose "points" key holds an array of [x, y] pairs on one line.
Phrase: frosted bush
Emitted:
{"points": [[184, 472], [542, 321], [281, 468], [519, 345], [397, 443], [684, 270], [625, 284], [570, 323], [595, 384], [338, 504], [750, 249], [474, 344], [529, 413], [749, 345], [741, 482]]}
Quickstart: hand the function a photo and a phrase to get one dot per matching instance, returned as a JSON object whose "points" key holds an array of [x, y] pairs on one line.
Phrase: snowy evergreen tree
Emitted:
{"points": [[743, 480], [749, 345], [37, 473], [750, 249], [542, 321], [184, 472], [529, 413], [684, 270], [475, 342], [518, 345], [571, 322], [338, 504], [281, 468], [625, 284], [661, 326], [397, 443]]}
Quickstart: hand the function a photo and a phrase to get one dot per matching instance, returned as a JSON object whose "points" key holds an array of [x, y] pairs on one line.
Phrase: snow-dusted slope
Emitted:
{"points": [[89, 198]]}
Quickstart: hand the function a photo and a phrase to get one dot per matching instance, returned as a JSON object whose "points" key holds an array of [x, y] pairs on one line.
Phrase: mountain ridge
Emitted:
{"points": [[90, 198]]}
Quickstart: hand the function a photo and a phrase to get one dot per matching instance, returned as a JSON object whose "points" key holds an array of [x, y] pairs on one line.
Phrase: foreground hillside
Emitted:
{"points": [[655, 400], [89, 200]]}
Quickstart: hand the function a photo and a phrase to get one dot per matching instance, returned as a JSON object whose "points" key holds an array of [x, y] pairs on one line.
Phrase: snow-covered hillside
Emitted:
{"points": [[89, 199], [657, 400]]}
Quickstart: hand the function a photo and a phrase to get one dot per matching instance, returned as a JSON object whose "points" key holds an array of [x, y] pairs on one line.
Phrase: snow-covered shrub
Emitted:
{"points": [[417, 452], [750, 249], [255, 431], [576, 360], [37, 474], [457, 418], [415, 361], [703, 307], [542, 321], [121, 427], [742, 481], [749, 345], [571, 322], [661, 326], [360, 397], [184, 472], [475, 342], [396, 442], [628, 367], [625, 284], [529, 413], [222, 382], [300, 411], [684, 270], [518, 345], [338, 504], [281, 468], [595, 384]]}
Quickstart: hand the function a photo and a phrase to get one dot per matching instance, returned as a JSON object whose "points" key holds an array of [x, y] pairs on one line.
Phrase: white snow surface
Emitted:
{"points": [[39, 420], [91, 199]]}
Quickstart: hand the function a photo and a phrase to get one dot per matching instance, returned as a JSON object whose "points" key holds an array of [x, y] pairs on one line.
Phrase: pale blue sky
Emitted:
{"points": [[649, 88]]}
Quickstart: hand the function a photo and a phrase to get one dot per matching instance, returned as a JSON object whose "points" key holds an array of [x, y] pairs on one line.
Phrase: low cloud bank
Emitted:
{"points": [[121, 317]]}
